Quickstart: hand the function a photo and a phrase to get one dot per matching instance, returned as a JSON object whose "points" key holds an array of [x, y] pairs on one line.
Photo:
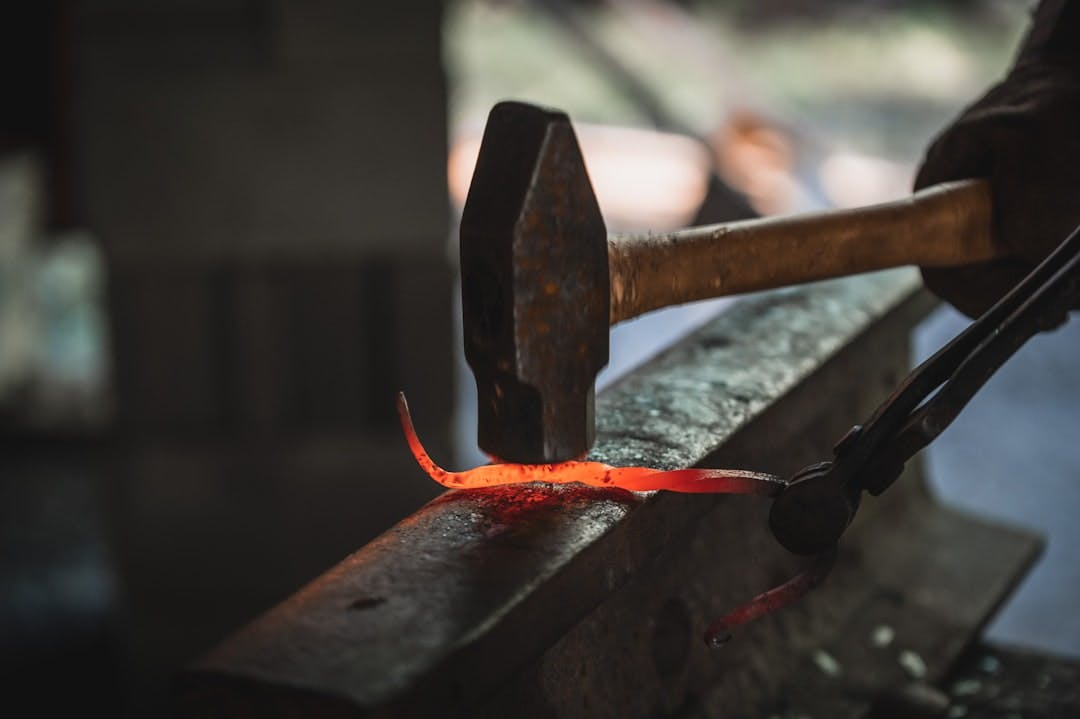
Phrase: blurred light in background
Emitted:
{"points": [[53, 336], [641, 178]]}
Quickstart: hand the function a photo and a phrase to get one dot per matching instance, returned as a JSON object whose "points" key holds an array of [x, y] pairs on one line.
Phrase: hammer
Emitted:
{"points": [[542, 282]]}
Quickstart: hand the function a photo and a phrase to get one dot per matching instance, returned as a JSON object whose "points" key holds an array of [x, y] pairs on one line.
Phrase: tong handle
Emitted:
{"points": [[821, 500], [1040, 302]]}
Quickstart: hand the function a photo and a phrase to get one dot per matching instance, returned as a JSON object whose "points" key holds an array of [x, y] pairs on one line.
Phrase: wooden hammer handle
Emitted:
{"points": [[945, 225]]}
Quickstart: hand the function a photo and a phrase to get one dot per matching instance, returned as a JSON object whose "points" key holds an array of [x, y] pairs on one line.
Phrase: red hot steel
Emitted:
{"points": [[635, 479]]}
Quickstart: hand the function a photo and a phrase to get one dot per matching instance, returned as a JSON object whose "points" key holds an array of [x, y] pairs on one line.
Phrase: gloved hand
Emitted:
{"points": [[1023, 136]]}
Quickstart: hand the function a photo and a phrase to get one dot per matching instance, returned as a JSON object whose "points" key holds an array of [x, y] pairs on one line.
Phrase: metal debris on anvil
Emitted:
{"points": [[882, 636], [912, 663], [826, 663], [966, 687], [990, 664]]}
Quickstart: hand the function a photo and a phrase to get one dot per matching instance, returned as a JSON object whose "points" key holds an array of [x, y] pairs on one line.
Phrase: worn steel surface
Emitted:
{"points": [[694, 397], [577, 602], [534, 287]]}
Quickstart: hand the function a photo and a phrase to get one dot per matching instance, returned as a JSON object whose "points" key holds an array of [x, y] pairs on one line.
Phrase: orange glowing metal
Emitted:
{"points": [[640, 479], [596, 474]]}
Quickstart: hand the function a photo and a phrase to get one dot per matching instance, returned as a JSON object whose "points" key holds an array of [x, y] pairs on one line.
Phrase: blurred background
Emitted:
{"points": [[227, 237]]}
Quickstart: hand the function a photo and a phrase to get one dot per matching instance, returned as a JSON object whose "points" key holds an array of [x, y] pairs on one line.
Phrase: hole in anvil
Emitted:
{"points": [[367, 602]]}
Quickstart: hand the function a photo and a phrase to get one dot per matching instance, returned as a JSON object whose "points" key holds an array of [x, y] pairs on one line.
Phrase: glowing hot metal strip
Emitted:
{"points": [[639, 479], [596, 474], [791, 591]]}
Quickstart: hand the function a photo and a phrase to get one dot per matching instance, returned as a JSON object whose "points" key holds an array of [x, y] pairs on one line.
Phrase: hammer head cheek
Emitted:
{"points": [[535, 288]]}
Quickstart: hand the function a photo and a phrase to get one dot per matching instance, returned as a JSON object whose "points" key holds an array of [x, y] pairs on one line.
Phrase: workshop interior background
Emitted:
{"points": [[227, 237]]}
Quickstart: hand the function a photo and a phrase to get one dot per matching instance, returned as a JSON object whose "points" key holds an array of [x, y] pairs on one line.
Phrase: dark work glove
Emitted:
{"points": [[1023, 136]]}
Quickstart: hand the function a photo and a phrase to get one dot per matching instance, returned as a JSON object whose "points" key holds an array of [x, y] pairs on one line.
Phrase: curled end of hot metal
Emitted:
{"points": [[719, 632], [421, 456], [406, 419]]}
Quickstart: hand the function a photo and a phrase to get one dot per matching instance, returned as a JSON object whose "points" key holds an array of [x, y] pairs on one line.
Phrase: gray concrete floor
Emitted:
{"points": [[1014, 454]]}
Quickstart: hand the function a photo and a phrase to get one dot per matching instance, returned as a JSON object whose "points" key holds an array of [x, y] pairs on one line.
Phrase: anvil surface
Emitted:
{"points": [[545, 600]]}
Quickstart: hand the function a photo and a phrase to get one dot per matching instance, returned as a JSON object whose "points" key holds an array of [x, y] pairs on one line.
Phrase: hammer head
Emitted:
{"points": [[535, 288]]}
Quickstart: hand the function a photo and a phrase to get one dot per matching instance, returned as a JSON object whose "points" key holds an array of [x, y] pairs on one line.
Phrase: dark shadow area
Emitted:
{"points": [[222, 244]]}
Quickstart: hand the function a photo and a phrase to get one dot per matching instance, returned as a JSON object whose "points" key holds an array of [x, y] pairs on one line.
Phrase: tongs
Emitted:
{"points": [[813, 511]]}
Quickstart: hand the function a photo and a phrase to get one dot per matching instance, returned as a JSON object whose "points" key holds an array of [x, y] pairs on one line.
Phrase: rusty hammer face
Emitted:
{"points": [[535, 288]]}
